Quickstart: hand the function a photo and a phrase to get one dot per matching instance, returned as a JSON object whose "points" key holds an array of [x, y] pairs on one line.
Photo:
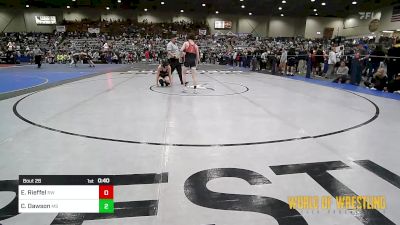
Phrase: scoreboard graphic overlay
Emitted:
{"points": [[65, 194]]}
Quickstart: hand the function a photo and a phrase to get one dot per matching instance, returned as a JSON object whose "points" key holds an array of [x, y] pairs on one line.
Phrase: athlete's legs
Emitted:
{"points": [[194, 76], [184, 71], [167, 81]]}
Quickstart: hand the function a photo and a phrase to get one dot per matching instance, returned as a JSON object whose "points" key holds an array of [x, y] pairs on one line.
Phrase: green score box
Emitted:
{"points": [[106, 206]]}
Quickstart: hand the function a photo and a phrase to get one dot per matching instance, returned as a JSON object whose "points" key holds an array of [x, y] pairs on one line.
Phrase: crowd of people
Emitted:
{"points": [[130, 42]]}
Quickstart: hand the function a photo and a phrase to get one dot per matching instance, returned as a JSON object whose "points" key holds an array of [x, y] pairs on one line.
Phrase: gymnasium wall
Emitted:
{"points": [[315, 26], [10, 22], [23, 20], [354, 26], [286, 26]]}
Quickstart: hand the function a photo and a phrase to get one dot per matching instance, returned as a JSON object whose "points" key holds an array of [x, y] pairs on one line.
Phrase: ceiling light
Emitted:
{"points": [[250, 13], [108, 8], [398, 30], [243, 6], [241, 0], [203, 4], [74, 0], [162, 3], [323, 3], [216, 12], [280, 8], [145, 9], [312, 0], [282, 14], [354, 3], [119, 1], [318, 33], [315, 10], [27, 6], [388, 31], [68, 6], [283, 1], [182, 11], [316, 14]]}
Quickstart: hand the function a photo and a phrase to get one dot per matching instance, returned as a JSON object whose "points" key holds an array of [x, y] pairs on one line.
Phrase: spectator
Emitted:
{"points": [[393, 60], [394, 85], [379, 81], [356, 70], [283, 62], [319, 61], [302, 58], [377, 56], [342, 73], [331, 62], [291, 63]]}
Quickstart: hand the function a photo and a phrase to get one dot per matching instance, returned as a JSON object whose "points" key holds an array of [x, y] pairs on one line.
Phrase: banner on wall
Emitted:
{"points": [[60, 28], [45, 20], [223, 25], [94, 30]]}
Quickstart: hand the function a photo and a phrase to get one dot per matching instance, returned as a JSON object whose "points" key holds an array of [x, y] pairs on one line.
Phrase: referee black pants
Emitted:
{"points": [[38, 60], [174, 63]]}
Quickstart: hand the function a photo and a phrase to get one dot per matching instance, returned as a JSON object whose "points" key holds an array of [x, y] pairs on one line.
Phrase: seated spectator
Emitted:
{"points": [[394, 85], [342, 74], [115, 59], [379, 81]]}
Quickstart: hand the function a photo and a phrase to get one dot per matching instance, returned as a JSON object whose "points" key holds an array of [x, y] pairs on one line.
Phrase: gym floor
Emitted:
{"points": [[230, 154]]}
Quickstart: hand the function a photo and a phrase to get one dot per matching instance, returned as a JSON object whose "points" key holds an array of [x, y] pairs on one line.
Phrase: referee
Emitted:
{"points": [[173, 56], [38, 56]]}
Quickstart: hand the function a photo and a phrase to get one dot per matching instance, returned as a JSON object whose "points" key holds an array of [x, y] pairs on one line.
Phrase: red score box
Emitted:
{"points": [[106, 192]]}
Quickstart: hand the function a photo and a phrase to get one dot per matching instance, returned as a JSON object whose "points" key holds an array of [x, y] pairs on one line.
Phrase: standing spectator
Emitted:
{"points": [[356, 70], [291, 61], [363, 56], [234, 58], [238, 59], [147, 55], [302, 67], [331, 62], [283, 61], [254, 63], [393, 63], [274, 63], [319, 61], [314, 63], [264, 58], [377, 56], [309, 64]]}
